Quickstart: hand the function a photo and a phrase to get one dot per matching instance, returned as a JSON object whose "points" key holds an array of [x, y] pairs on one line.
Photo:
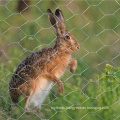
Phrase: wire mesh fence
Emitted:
{"points": [[92, 91]]}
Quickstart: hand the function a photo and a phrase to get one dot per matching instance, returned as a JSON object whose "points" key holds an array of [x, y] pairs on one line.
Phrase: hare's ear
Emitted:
{"points": [[52, 18], [57, 20], [60, 15]]}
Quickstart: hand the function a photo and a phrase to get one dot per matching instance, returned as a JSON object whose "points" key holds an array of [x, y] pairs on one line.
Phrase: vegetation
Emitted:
{"points": [[92, 92]]}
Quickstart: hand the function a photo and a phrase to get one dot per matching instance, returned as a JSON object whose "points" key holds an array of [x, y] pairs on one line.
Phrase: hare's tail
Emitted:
{"points": [[14, 95]]}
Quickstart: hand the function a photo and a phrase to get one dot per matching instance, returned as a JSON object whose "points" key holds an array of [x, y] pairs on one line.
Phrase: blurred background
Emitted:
{"points": [[92, 92]]}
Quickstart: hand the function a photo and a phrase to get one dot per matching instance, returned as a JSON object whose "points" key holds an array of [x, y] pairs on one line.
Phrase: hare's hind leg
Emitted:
{"points": [[27, 106], [36, 99], [31, 104], [28, 92]]}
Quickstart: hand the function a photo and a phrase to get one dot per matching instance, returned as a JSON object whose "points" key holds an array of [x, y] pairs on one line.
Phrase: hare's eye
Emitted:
{"points": [[67, 37]]}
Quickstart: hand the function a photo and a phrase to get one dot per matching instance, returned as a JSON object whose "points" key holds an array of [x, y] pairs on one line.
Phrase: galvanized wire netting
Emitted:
{"points": [[93, 91]]}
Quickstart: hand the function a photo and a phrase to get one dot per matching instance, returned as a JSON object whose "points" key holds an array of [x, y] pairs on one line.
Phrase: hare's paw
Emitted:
{"points": [[28, 111], [73, 66], [72, 70], [60, 90], [37, 111]]}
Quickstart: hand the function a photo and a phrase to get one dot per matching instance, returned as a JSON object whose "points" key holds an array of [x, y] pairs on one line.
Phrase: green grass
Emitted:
{"points": [[92, 92]]}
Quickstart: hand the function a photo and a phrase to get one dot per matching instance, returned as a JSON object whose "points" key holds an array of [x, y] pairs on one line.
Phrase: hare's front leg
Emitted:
{"points": [[73, 65], [60, 87], [59, 83]]}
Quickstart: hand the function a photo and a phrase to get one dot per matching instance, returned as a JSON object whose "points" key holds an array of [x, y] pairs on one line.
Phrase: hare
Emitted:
{"points": [[35, 76]]}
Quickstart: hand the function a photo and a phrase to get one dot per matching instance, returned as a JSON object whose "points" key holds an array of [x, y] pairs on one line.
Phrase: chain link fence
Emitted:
{"points": [[92, 92]]}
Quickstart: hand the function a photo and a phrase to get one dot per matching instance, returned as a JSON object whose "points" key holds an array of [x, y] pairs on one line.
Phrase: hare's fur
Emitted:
{"points": [[35, 76], [41, 91]]}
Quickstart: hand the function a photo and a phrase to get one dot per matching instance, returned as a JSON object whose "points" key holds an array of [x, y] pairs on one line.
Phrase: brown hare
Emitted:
{"points": [[35, 76]]}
